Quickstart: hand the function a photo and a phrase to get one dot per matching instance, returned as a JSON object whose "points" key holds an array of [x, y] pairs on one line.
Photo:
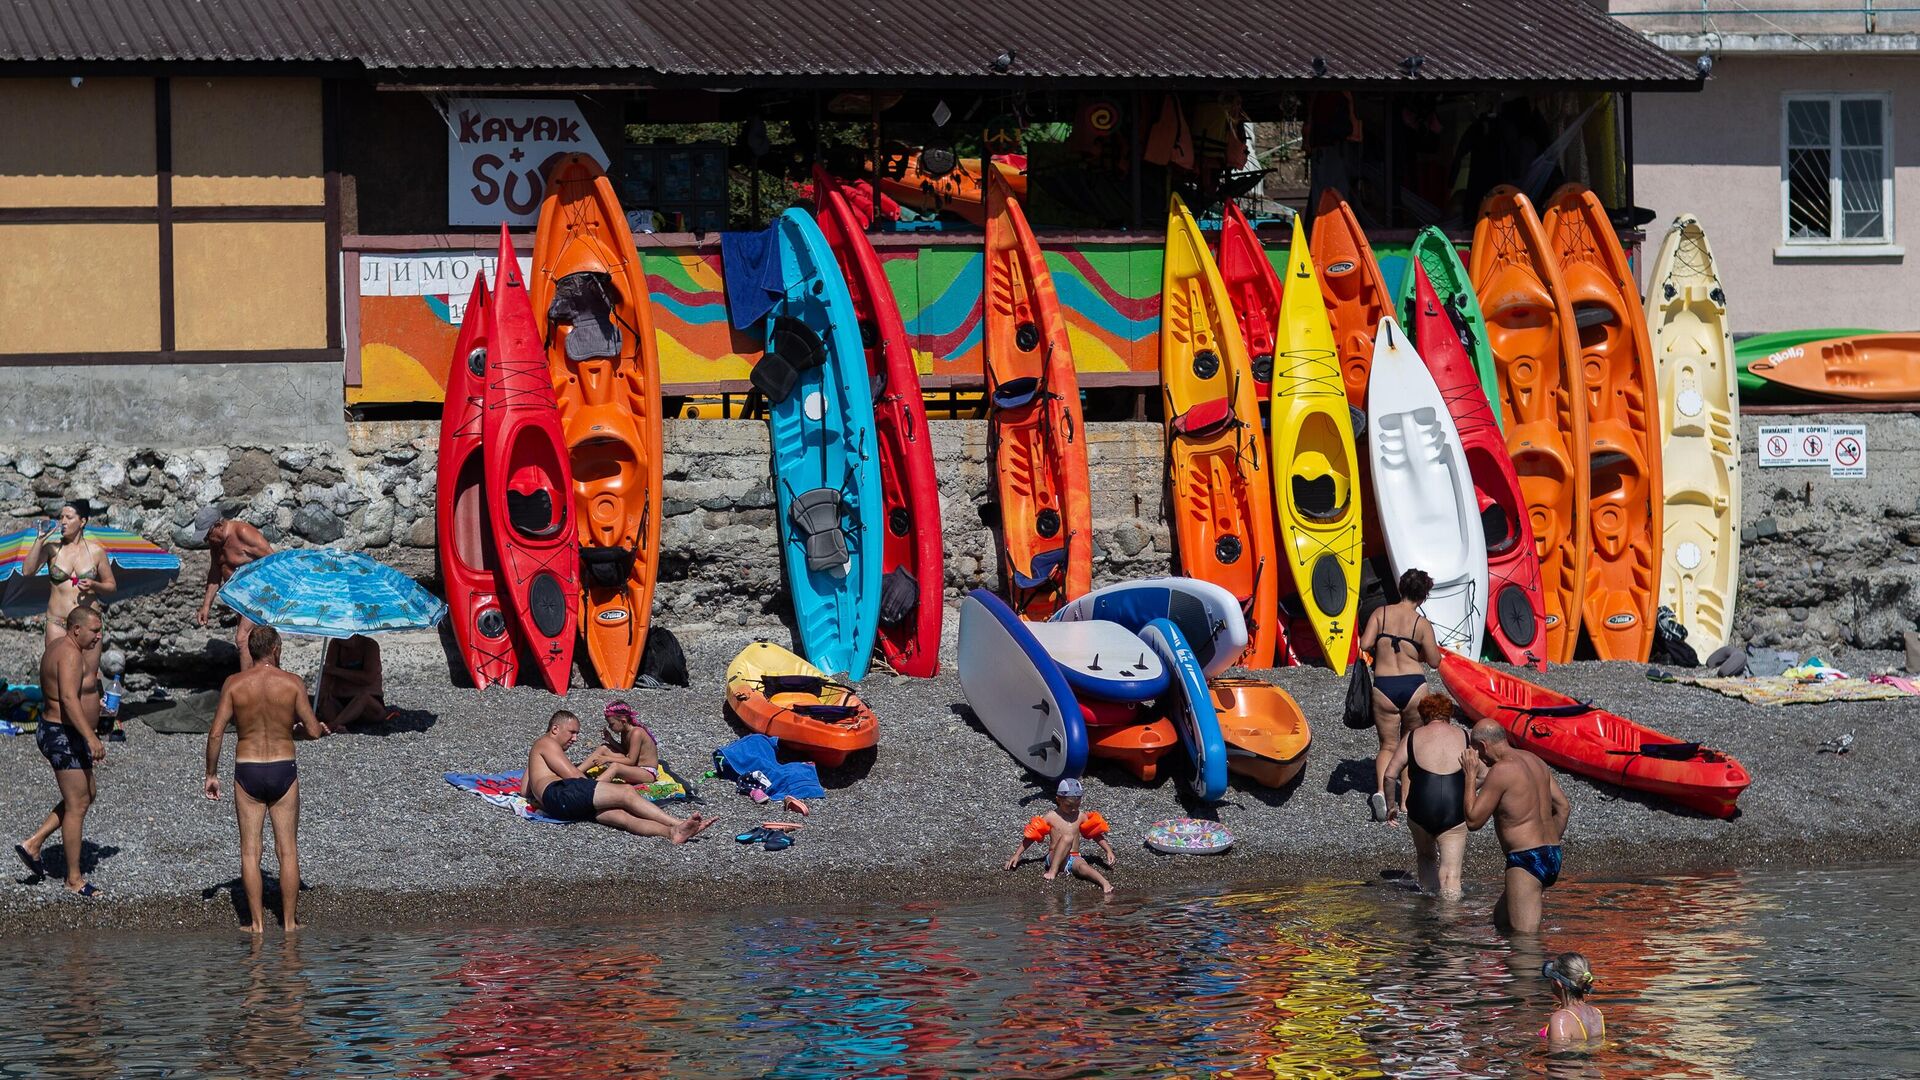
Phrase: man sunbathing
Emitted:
{"points": [[630, 753], [557, 788]]}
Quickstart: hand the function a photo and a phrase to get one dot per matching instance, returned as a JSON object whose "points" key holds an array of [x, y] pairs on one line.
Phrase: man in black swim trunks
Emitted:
{"points": [[68, 736], [557, 788], [1529, 813], [264, 703]]}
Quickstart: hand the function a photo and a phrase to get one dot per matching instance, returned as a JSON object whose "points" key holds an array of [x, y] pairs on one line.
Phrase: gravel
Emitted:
{"points": [[384, 840]]}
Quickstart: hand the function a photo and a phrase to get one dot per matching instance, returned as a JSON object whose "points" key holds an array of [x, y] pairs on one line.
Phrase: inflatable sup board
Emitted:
{"points": [[1206, 614], [1103, 660], [1017, 691], [1190, 707]]}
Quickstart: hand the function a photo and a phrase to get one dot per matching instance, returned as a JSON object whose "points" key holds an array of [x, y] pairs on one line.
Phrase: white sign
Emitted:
{"points": [[449, 276], [1839, 448], [498, 151]]}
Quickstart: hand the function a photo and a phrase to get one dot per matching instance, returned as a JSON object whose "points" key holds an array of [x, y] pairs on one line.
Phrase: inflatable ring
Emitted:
{"points": [[1188, 836]]}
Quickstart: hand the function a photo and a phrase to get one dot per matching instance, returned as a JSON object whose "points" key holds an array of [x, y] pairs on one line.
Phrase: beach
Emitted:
{"points": [[386, 841]]}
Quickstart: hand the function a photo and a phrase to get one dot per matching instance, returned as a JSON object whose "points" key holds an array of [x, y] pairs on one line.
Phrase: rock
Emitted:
{"points": [[28, 466], [138, 474], [316, 524], [421, 534], [63, 458], [758, 497], [1131, 538], [112, 475], [248, 472], [294, 459], [400, 455], [377, 526], [671, 507]]}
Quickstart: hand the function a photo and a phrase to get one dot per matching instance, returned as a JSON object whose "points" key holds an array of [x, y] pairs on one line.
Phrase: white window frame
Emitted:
{"points": [[1792, 247]]}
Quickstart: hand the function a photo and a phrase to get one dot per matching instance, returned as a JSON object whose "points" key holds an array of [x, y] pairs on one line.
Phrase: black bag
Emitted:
{"points": [[663, 660], [1359, 713], [1670, 642]]}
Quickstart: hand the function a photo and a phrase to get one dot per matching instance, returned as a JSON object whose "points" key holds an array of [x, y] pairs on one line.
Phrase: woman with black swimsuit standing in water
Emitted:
{"points": [[1430, 794], [1402, 644]]}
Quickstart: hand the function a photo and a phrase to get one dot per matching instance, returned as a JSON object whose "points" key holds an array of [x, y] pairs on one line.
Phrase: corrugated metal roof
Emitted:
{"points": [[713, 40]]}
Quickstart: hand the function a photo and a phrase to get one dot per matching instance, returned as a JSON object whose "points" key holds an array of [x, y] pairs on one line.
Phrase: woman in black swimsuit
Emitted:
{"points": [[1431, 793], [1401, 642]]}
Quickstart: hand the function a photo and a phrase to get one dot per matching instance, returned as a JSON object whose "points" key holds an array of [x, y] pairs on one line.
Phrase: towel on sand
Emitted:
{"points": [[757, 752], [503, 790], [750, 265], [1781, 690]]}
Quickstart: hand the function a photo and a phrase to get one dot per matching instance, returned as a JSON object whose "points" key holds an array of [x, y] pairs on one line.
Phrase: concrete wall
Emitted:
{"points": [[173, 405], [1716, 154]]}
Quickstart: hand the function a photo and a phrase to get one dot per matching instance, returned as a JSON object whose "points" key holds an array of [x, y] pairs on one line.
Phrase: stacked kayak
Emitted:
{"points": [[1756, 389], [1865, 367], [1592, 742], [469, 563], [1253, 292], [773, 692], [1265, 733]]}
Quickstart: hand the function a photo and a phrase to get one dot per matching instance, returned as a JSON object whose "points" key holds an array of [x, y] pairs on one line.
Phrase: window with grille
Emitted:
{"points": [[1836, 181]]}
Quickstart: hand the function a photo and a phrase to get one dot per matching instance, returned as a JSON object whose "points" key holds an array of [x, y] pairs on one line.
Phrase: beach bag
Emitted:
{"points": [[1359, 712]]}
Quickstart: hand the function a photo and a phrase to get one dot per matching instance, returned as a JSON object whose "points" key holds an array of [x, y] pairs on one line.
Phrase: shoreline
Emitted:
{"points": [[931, 817]]}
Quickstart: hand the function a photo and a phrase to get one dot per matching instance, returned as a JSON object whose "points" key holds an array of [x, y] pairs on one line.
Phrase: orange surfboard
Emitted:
{"points": [[1530, 327], [1039, 441], [1625, 494], [590, 300]]}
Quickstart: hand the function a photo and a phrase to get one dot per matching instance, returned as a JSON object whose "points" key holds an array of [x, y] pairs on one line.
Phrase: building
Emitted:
{"points": [[1793, 155]]}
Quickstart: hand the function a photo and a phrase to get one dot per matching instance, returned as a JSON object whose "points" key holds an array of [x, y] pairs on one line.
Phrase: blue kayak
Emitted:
{"points": [[826, 464]]}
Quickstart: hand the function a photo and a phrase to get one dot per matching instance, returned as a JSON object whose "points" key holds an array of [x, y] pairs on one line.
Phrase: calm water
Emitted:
{"points": [[1760, 975]]}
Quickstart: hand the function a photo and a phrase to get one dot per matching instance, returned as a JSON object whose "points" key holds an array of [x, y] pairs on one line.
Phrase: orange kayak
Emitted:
{"points": [[960, 192], [1137, 747], [1356, 294], [1530, 328], [1039, 445], [590, 300], [1222, 497], [1625, 495], [776, 693], [1265, 731], [1867, 367]]}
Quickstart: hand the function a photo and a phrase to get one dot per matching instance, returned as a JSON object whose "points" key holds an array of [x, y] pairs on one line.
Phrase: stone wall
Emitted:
{"points": [[719, 547]]}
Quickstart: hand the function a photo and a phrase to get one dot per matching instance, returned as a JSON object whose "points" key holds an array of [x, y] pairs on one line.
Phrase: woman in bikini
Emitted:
{"points": [[1574, 1025], [77, 567], [629, 753], [1402, 644], [1430, 793]]}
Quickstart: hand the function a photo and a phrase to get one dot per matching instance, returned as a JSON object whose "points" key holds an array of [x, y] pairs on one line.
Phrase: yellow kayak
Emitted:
{"points": [[1313, 476]]}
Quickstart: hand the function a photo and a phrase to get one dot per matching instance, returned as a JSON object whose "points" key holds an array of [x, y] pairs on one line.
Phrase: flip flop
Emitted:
{"points": [[752, 836], [89, 891], [779, 841], [33, 865], [794, 804], [1377, 806], [781, 826]]}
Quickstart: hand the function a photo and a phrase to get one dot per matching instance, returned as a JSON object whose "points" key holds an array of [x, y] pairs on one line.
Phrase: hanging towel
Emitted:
{"points": [[750, 262], [757, 753]]}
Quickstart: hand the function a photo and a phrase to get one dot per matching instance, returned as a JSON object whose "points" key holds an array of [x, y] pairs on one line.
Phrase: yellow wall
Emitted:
{"points": [[250, 285], [79, 288], [239, 142], [90, 145]]}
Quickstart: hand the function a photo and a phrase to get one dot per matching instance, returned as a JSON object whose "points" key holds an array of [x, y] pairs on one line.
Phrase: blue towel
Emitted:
{"points": [[750, 262], [797, 778]]}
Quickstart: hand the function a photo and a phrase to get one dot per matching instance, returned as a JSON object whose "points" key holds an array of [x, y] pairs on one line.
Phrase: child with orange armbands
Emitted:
{"points": [[1062, 829]]}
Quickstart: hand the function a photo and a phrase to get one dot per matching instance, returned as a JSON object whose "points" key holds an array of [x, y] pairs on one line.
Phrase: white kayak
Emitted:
{"points": [[1017, 691], [1209, 616], [1103, 660], [1428, 511]]}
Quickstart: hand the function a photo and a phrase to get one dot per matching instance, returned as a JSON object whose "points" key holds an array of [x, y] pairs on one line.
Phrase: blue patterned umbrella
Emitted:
{"points": [[320, 592]]}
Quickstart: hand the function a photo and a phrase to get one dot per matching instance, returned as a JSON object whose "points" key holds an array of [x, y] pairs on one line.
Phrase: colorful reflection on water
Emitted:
{"points": [[1732, 975]]}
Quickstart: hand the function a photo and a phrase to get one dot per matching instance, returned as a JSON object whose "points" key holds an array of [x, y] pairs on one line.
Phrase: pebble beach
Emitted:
{"points": [[932, 814]]}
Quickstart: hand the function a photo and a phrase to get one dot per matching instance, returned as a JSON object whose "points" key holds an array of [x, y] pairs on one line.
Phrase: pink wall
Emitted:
{"points": [[1716, 154]]}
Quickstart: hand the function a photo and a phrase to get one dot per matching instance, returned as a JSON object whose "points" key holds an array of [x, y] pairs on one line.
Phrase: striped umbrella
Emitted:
{"points": [[321, 592], [140, 568]]}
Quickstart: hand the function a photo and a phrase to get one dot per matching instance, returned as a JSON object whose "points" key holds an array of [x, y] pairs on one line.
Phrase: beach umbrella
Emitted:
{"points": [[140, 568], [320, 592]]}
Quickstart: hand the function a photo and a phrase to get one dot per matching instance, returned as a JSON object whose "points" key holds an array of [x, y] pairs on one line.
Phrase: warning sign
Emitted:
{"points": [[1841, 449]]}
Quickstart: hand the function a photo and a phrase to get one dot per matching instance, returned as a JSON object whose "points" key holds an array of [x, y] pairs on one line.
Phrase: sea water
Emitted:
{"points": [[1776, 974]]}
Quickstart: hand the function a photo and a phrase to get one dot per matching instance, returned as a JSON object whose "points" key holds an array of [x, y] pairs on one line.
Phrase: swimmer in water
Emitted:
{"points": [[1575, 1024]]}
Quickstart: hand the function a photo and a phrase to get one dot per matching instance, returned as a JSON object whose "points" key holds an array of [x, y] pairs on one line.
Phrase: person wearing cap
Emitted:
{"points": [[1062, 829], [230, 546], [1574, 1023], [77, 568], [629, 753]]}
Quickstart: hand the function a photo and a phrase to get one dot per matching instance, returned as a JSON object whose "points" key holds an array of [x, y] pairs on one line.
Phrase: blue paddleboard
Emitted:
{"points": [[1190, 707]]}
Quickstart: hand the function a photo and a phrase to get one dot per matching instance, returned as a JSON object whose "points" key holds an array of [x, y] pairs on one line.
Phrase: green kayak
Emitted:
{"points": [[1441, 260], [1756, 390]]}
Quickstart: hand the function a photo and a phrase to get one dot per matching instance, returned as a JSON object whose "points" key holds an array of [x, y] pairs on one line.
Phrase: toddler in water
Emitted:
{"points": [[1062, 828]]}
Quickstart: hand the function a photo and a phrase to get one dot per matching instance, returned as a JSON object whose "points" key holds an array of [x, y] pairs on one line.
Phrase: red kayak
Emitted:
{"points": [[468, 566], [529, 487], [1254, 287], [912, 565], [1517, 613], [1579, 738]]}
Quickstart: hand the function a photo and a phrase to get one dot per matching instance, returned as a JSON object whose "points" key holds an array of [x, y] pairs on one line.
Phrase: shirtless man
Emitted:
{"points": [[68, 736], [557, 788], [264, 703], [77, 567], [629, 753], [1529, 813], [230, 545]]}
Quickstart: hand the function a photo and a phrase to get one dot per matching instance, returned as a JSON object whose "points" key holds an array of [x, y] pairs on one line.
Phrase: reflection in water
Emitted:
{"points": [[1722, 975]]}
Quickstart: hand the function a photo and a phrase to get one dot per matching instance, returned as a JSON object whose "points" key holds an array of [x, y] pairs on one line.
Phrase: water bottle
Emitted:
{"points": [[110, 698]]}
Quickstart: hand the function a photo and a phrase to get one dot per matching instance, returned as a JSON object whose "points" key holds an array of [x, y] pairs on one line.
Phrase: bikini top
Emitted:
{"points": [[1396, 639], [59, 575]]}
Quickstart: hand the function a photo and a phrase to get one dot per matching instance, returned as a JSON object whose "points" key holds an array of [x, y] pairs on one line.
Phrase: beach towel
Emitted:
{"points": [[1780, 690], [758, 753], [750, 265], [503, 790]]}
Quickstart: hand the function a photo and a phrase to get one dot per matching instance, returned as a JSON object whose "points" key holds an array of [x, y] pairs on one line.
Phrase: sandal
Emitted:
{"points": [[1377, 806], [752, 836], [89, 891], [779, 841], [34, 866]]}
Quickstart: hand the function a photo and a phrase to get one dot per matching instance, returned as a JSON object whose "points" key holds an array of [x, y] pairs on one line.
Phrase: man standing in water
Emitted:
{"points": [[230, 546], [264, 703], [68, 736], [1529, 813]]}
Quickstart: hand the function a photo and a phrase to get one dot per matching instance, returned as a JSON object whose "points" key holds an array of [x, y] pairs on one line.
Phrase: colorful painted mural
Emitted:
{"points": [[409, 307]]}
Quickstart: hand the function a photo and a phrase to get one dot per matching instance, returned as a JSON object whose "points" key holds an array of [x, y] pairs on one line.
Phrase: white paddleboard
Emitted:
{"points": [[1207, 614], [1017, 691], [1103, 660], [1424, 492]]}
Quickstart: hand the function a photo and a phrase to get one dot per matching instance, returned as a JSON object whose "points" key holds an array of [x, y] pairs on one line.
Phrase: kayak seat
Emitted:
{"points": [[793, 349], [828, 713], [815, 516], [584, 301], [1015, 392], [1045, 566], [1206, 418], [899, 597], [810, 685], [531, 513], [608, 566]]}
